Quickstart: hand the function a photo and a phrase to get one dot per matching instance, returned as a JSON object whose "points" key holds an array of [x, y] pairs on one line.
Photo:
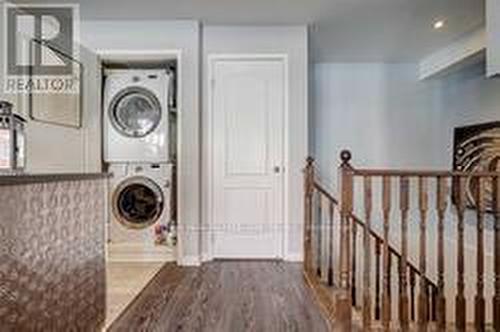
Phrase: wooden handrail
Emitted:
{"points": [[325, 192], [418, 173]]}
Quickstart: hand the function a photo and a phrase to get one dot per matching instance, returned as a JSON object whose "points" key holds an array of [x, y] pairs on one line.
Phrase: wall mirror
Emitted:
{"points": [[58, 108]]}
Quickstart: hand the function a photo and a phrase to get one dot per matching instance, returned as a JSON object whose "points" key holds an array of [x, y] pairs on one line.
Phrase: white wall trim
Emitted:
{"points": [[441, 61], [189, 261], [144, 55], [295, 257], [206, 257], [207, 254]]}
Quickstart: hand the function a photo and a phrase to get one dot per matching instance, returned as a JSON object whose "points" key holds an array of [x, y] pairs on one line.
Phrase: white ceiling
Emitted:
{"points": [[341, 30]]}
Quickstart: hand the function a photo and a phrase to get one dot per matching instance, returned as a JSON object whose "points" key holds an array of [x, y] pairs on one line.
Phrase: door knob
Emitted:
{"points": [[277, 169]]}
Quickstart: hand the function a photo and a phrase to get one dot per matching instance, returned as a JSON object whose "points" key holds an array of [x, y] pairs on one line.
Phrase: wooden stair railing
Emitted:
{"points": [[418, 303], [414, 272], [314, 187]]}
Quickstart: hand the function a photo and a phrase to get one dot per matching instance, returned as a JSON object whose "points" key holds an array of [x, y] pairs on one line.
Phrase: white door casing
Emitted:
{"points": [[247, 153]]}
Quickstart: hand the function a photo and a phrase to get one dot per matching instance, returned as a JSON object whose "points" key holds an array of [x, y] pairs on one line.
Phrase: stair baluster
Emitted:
{"points": [[423, 298], [331, 211], [353, 263], [496, 258], [442, 192], [386, 210], [319, 235], [404, 202], [432, 308], [378, 253], [479, 299], [308, 215], [412, 293], [461, 203], [367, 306]]}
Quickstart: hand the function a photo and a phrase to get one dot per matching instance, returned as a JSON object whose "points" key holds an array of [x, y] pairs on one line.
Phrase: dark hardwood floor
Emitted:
{"points": [[230, 296]]}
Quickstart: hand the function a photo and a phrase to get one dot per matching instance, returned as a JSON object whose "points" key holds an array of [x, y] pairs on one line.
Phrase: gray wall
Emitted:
{"points": [[388, 118], [382, 113], [292, 41]]}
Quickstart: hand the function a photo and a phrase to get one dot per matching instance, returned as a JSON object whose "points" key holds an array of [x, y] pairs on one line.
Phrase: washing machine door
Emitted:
{"points": [[135, 112], [137, 202]]}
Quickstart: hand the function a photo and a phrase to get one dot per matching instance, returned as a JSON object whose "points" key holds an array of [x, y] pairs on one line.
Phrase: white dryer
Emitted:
{"points": [[135, 116], [140, 197]]}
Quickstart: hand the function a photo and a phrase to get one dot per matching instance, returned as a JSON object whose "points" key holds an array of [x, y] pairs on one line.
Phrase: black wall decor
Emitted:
{"points": [[477, 149]]}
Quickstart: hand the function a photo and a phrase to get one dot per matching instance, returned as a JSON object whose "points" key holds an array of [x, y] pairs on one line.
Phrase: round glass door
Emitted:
{"points": [[138, 202], [135, 112]]}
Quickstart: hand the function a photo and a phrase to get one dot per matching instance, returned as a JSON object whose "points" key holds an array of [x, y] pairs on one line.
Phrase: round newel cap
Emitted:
{"points": [[345, 156]]}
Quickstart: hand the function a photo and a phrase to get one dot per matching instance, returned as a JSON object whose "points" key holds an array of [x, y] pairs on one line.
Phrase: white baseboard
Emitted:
{"points": [[195, 260], [206, 257], [189, 261], [294, 257]]}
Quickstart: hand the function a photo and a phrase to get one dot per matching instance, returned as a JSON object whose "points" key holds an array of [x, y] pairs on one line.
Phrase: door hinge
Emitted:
{"points": [[279, 169]]}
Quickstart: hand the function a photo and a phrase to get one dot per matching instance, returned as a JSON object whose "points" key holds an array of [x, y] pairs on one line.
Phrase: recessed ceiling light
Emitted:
{"points": [[439, 24]]}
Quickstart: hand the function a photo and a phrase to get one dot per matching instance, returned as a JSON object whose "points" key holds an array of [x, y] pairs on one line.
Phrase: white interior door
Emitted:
{"points": [[248, 115]]}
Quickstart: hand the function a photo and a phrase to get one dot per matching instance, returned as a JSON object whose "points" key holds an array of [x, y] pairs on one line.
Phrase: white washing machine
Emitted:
{"points": [[140, 197], [135, 116]]}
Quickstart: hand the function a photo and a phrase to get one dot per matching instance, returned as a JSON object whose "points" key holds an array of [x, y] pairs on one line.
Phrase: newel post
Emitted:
{"points": [[308, 212], [344, 304]]}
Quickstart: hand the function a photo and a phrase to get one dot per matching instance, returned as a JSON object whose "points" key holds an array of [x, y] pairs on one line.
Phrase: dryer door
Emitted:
{"points": [[137, 202], [135, 112]]}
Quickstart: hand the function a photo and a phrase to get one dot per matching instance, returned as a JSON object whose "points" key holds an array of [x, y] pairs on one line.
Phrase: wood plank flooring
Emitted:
{"points": [[230, 296]]}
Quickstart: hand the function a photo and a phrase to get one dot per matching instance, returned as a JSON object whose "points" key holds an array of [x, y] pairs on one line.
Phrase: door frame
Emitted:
{"points": [[208, 211]]}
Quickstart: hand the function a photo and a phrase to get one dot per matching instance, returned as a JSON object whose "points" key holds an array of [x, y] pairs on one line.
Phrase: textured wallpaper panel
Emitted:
{"points": [[52, 270]]}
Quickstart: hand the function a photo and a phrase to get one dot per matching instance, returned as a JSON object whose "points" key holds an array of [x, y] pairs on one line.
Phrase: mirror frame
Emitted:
{"points": [[79, 104]]}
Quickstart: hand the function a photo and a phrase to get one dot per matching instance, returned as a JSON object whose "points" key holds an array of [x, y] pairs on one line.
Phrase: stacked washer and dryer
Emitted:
{"points": [[136, 151]]}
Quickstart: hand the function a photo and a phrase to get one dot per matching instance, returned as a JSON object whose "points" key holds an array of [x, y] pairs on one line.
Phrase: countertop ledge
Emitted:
{"points": [[23, 178]]}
